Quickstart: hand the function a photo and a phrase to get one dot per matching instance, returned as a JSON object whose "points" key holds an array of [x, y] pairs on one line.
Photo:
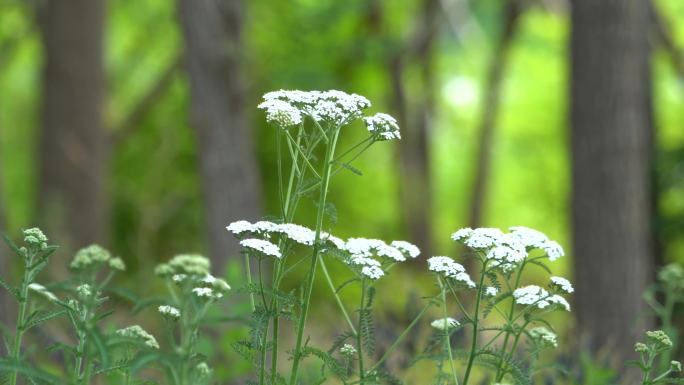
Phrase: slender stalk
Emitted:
{"points": [[337, 297], [509, 321], [288, 208], [401, 337], [447, 334], [329, 153], [248, 271], [18, 336], [476, 319], [359, 342]]}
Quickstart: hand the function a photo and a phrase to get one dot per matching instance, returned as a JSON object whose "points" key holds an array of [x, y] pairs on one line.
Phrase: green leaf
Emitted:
{"points": [[350, 168], [8, 365], [9, 288], [118, 365], [40, 318]]}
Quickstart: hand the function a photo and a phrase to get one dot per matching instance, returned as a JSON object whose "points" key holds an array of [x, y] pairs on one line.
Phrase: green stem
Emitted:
{"points": [[401, 337], [359, 342], [476, 319], [329, 153], [447, 334], [337, 297], [19, 333], [509, 321]]}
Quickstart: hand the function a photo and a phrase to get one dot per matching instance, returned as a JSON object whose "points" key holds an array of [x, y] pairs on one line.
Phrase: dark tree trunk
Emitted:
{"points": [[230, 175], [490, 109], [610, 117], [415, 118], [72, 205]]}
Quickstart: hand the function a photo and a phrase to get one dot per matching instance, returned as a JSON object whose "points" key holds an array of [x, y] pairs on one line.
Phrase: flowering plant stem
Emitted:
{"points": [[359, 342], [475, 320], [447, 331], [327, 165], [509, 327], [19, 333]]}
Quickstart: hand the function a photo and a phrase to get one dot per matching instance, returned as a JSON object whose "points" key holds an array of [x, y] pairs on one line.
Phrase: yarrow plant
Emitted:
{"points": [[495, 310]]}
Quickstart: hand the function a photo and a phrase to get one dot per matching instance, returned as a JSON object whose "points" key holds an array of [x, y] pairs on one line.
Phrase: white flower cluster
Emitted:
{"points": [[184, 264], [544, 337], [347, 350], [261, 246], [533, 239], [169, 312], [563, 284], [138, 334], [491, 291], [445, 323], [507, 250], [94, 256], [294, 232], [536, 296], [43, 291], [359, 251], [450, 269], [34, 237], [286, 108], [382, 126]]}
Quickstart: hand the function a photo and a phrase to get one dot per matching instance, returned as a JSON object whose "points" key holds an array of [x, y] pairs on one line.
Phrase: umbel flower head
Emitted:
{"points": [[507, 250], [448, 268], [187, 264], [137, 334], [34, 237], [95, 256], [659, 339], [535, 296], [348, 350], [544, 337], [169, 312]]}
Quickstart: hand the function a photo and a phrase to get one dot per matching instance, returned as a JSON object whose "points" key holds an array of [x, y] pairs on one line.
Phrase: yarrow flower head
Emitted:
{"points": [[187, 264], [281, 113], [207, 293], [563, 284], [533, 239], [544, 337], [138, 334], [369, 247], [450, 269], [169, 312], [672, 275], [34, 237], [262, 246], [43, 291], [659, 339], [536, 296], [409, 249], [382, 126], [445, 324], [491, 291], [335, 107], [84, 291], [93, 256], [348, 350]]}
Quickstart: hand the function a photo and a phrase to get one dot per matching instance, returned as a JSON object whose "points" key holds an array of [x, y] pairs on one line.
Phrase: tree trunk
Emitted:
{"points": [[415, 118], [490, 109], [610, 119], [72, 205], [228, 167]]}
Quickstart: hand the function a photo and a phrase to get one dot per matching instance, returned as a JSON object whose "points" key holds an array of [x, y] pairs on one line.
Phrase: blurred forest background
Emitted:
{"points": [[134, 124]]}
